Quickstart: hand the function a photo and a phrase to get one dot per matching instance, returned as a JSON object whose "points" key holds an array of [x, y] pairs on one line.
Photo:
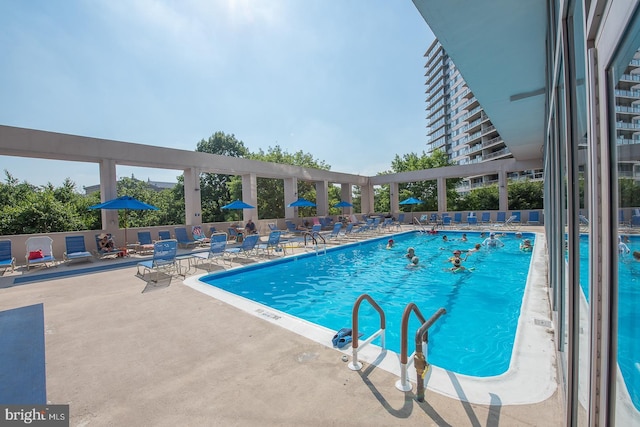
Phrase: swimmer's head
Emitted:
{"points": [[415, 260], [456, 262], [518, 234], [411, 250], [457, 252], [390, 241], [492, 234], [478, 246], [636, 255]]}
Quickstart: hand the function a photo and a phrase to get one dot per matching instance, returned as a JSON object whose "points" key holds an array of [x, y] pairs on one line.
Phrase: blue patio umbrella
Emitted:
{"points": [[238, 204], [342, 204], [125, 203], [411, 201], [301, 203]]}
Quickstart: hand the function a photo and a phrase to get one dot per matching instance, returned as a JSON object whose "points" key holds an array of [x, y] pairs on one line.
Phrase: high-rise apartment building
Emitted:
{"points": [[627, 96], [456, 122]]}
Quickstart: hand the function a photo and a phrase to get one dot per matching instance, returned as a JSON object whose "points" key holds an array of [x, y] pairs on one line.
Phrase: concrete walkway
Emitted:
{"points": [[173, 356]]}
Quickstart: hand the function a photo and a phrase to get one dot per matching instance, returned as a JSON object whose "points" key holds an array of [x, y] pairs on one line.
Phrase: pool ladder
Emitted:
{"points": [[422, 335], [315, 239]]}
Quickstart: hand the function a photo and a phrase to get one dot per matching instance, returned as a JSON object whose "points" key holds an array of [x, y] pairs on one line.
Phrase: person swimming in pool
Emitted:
{"points": [[636, 255], [456, 261], [526, 246], [623, 249], [410, 254], [390, 243], [414, 263], [476, 248], [464, 237]]}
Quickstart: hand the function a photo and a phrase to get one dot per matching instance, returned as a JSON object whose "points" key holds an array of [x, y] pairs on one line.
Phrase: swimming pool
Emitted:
{"points": [[628, 315], [475, 337]]}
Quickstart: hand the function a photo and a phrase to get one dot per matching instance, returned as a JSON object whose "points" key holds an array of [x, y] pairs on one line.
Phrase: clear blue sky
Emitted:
{"points": [[340, 79]]}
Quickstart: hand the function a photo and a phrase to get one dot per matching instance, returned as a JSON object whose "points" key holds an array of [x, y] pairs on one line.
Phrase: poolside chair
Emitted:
{"points": [[335, 232], [75, 250], [163, 261], [102, 253], [457, 218], [472, 221], [635, 221], [7, 260], [509, 224], [164, 235], [486, 218], [501, 217], [400, 220], [39, 251], [446, 220], [272, 243], [145, 243], [534, 218], [184, 241], [517, 215], [217, 245], [233, 234], [199, 236], [247, 248]]}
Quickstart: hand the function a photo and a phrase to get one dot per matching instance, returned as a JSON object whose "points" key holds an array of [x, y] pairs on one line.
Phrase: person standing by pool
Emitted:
{"points": [[492, 241]]}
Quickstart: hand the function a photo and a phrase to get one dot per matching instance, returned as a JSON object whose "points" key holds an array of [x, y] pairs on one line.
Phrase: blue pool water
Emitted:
{"points": [[628, 313], [476, 335]]}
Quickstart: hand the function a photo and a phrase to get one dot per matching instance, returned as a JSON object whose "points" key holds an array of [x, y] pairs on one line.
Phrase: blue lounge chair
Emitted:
{"points": [[75, 250], [164, 259], [335, 233], [486, 218], [39, 251], [247, 248], [534, 218], [145, 243], [199, 236], [234, 235], [517, 215], [164, 235], [217, 246], [457, 218], [501, 217], [272, 243], [7, 260], [184, 241]]}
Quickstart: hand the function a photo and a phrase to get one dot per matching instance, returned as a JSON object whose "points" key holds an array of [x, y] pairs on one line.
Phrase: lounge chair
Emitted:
{"points": [[517, 215], [102, 253], [164, 259], [509, 224], [145, 243], [486, 218], [501, 217], [233, 234], [7, 260], [217, 246], [534, 218], [272, 243], [247, 248], [457, 218], [75, 250], [183, 239], [199, 236], [39, 251], [164, 235], [335, 233], [472, 221]]}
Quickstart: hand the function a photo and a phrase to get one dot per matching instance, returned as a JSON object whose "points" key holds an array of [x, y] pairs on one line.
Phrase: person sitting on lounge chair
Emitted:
{"points": [[250, 227], [106, 243]]}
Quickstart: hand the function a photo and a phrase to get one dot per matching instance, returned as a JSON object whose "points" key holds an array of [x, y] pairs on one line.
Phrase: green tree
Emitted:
{"points": [[482, 198], [629, 192], [525, 195], [427, 191], [214, 188]]}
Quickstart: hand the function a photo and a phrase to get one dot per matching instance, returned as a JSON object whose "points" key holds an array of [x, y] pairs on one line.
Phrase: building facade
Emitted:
{"points": [[458, 125]]}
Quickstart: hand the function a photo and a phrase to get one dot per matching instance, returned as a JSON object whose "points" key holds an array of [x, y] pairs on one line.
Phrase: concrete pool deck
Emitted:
{"points": [[174, 356]]}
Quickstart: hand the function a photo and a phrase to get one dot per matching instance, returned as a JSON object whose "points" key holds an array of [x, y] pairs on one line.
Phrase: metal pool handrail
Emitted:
{"points": [[420, 359], [355, 365], [403, 383]]}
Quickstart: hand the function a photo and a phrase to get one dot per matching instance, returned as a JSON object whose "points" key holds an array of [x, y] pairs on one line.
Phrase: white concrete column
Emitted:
{"points": [[192, 199], [442, 194], [109, 191], [250, 195], [503, 192], [394, 205], [346, 191], [322, 198], [366, 192], [290, 196]]}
